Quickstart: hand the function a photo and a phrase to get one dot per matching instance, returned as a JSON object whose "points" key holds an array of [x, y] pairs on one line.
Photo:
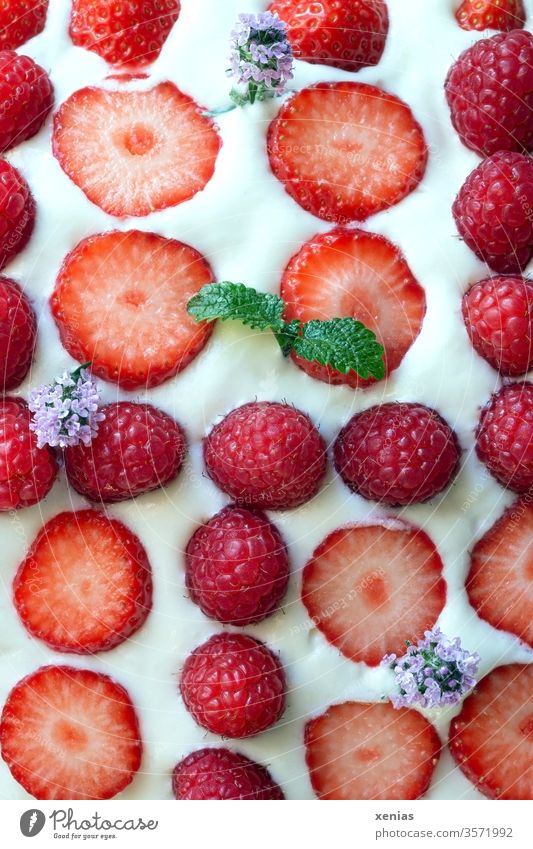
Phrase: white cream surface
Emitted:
{"points": [[248, 228]]}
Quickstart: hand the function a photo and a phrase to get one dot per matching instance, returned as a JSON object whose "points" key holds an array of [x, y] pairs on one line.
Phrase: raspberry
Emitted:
{"points": [[498, 314], [17, 212], [494, 211], [27, 97], [266, 454], [18, 332], [237, 568], [222, 774], [138, 448], [397, 454], [233, 685], [490, 93], [504, 437], [27, 473]]}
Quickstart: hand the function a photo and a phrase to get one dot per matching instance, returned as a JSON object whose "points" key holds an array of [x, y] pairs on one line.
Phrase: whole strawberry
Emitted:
{"points": [[504, 15], [493, 211], [498, 315], [346, 34], [490, 93], [26, 95], [122, 32], [18, 333], [27, 472], [138, 448], [17, 212], [233, 685], [504, 437], [222, 774], [21, 20], [237, 568]]}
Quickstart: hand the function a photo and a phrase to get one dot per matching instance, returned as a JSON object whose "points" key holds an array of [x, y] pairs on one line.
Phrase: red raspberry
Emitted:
{"points": [[397, 454], [18, 332], [498, 314], [27, 97], [27, 473], [138, 448], [504, 437], [237, 567], [266, 454], [17, 212], [209, 774], [490, 93], [494, 211], [233, 685], [21, 20]]}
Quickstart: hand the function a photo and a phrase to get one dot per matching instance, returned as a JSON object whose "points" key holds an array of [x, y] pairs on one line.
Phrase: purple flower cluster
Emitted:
{"points": [[434, 673], [66, 412], [261, 57]]}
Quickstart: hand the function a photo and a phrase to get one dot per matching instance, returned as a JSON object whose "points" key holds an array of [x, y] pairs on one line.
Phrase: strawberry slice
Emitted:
{"points": [[135, 152], [120, 302], [85, 585], [346, 150], [492, 738], [70, 733], [369, 588], [357, 750], [504, 15], [500, 581], [359, 275]]}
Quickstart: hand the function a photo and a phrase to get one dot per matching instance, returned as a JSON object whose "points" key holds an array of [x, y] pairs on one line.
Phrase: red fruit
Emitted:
{"points": [[17, 212], [123, 33], [70, 733], [499, 584], [27, 97], [491, 739], [504, 436], [233, 685], [370, 751], [21, 20], [346, 150], [504, 15], [397, 453], [138, 448], [347, 34], [369, 588], [18, 333], [490, 93], [85, 585], [359, 275], [132, 322], [237, 569], [209, 774], [498, 314], [493, 211], [27, 473], [267, 455], [135, 152]]}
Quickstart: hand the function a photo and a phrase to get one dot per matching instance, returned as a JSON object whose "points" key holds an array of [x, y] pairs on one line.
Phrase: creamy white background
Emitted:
{"points": [[248, 228]]}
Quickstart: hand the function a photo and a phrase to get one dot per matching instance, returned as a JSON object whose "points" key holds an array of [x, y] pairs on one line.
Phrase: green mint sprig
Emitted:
{"points": [[342, 343]]}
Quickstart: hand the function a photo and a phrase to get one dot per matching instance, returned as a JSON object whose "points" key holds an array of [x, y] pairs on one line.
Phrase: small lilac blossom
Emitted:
{"points": [[66, 412], [434, 673], [261, 58]]}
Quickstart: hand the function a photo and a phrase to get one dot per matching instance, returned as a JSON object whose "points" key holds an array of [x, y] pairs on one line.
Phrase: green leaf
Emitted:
{"points": [[344, 344], [258, 310]]}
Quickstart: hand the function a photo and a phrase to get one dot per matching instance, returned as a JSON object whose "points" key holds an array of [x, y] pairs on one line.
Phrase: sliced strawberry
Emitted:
{"points": [[369, 588], [357, 750], [500, 581], [85, 585], [135, 152], [70, 733], [359, 275], [346, 150], [504, 15], [492, 738], [120, 302]]}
